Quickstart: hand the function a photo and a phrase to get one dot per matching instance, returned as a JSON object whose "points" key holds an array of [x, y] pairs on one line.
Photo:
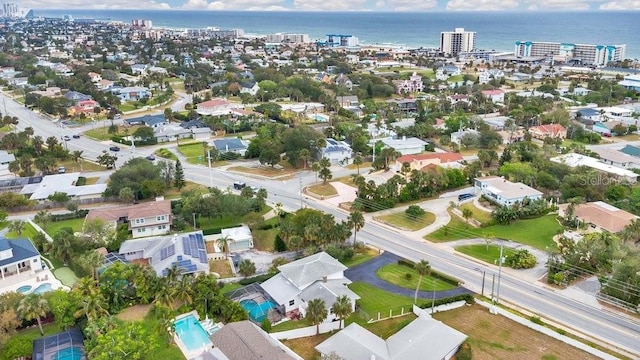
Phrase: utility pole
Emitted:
{"points": [[484, 273], [210, 169], [499, 274]]}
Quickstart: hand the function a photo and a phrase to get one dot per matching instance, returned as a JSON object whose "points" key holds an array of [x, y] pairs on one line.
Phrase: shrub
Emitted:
{"points": [[81, 181], [408, 276], [415, 211], [279, 244], [266, 325], [521, 259], [342, 254], [536, 320], [405, 262], [468, 298], [464, 352], [254, 279]]}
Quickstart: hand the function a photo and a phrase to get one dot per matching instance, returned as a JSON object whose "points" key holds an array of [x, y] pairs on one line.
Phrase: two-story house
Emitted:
{"points": [[318, 276], [18, 256], [131, 93], [215, 107], [145, 219]]}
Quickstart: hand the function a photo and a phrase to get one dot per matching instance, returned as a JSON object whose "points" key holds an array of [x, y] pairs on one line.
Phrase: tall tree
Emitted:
{"points": [[342, 308], [16, 226], [246, 267], [356, 219], [33, 306], [422, 268], [178, 179], [325, 171], [357, 161], [223, 243], [63, 246], [316, 313]]}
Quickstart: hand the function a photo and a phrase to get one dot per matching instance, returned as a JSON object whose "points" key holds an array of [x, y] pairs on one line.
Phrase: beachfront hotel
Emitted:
{"points": [[454, 42], [565, 52]]}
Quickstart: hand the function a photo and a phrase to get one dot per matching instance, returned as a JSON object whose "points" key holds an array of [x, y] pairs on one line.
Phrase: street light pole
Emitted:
{"points": [[194, 221], [210, 169], [499, 274], [300, 181], [433, 299]]}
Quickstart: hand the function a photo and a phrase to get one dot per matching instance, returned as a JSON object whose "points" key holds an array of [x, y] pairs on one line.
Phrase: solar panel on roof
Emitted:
{"points": [[203, 256]]}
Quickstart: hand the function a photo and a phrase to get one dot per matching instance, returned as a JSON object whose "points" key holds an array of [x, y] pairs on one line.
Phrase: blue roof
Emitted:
{"points": [[229, 144], [148, 120], [589, 112], [631, 150], [22, 249]]}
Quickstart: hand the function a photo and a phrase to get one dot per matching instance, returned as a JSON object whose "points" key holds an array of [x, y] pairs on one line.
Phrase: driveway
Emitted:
{"points": [[366, 272]]}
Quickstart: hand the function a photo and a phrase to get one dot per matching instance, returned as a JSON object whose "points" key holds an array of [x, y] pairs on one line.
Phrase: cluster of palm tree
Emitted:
{"points": [[316, 311], [33, 151]]}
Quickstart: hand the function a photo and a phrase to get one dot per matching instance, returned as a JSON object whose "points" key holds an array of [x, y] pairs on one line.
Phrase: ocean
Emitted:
{"points": [[494, 30]]}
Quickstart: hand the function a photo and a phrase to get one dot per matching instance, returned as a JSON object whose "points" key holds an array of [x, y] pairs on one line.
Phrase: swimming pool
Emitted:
{"points": [[257, 312], [43, 288], [191, 333], [70, 353], [24, 289]]}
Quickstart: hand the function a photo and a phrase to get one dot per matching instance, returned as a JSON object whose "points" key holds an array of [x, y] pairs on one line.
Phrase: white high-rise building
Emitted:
{"points": [[454, 42], [583, 53]]}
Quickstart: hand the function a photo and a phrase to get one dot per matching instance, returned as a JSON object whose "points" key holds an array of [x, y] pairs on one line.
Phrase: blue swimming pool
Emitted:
{"points": [[191, 333], [24, 289], [70, 353], [42, 288], [257, 312]]}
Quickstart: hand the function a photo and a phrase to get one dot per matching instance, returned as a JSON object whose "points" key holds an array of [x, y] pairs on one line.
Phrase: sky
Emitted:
{"points": [[341, 5]]}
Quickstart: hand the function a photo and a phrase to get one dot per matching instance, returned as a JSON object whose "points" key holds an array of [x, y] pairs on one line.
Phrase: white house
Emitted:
{"points": [[496, 96], [144, 219], [503, 191], [216, 107], [424, 338], [318, 276], [63, 183], [338, 152], [404, 145], [18, 256], [487, 75], [575, 160], [240, 238], [186, 251]]}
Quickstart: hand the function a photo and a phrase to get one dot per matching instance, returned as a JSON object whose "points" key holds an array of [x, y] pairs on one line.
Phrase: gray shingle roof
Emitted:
{"points": [[245, 341], [311, 268]]}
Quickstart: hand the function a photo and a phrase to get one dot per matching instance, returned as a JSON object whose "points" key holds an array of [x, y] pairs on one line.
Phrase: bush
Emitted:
{"points": [[81, 181], [521, 259], [68, 216], [408, 276], [138, 142], [266, 325], [254, 279], [536, 320], [405, 262], [342, 254], [279, 244], [464, 352], [468, 298], [415, 211]]}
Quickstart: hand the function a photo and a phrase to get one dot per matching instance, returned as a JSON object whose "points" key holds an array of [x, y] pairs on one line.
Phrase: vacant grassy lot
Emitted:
{"points": [[361, 257], [102, 133], [305, 346], [482, 216], [263, 239], [284, 171], [323, 189], [174, 193], [397, 274], [221, 267], [194, 152], [493, 337], [166, 153], [403, 221], [134, 313], [537, 232], [81, 166]]}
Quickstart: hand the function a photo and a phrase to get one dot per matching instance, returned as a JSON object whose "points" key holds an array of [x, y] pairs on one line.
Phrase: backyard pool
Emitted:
{"points": [[70, 353], [191, 333], [24, 289], [43, 288], [257, 312]]}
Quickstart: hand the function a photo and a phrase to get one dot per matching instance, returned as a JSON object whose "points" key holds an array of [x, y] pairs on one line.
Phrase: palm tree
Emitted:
{"points": [[467, 214], [342, 308], [184, 290], [356, 219], [246, 268], [304, 155], [316, 313], [33, 306], [357, 161], [77, 157], [315, 167], [42, 218], [223, 243], [422, 268], [16, 227], [63, 245]]}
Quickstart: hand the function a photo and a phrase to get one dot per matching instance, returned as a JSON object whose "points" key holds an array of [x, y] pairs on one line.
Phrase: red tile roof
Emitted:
{"points": [[446, 157], [548, 129]]}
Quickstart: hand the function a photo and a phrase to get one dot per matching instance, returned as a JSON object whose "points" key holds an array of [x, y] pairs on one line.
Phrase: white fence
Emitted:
{"points": [[306, 331]]}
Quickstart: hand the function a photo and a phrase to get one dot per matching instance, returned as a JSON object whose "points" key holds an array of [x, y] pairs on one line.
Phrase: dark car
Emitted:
{"points": [[150, 157], [463, 197], [76, 136], [238, 185], [114, 148]]}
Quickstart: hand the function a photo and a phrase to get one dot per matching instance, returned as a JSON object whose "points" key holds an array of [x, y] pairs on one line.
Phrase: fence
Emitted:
{"points": [[48, 205], [438, 308], [617, 302], [307, 331]]}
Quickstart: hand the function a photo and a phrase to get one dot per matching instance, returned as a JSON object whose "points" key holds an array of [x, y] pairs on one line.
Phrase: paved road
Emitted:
{"points": [[591, 321], [366, 272]]}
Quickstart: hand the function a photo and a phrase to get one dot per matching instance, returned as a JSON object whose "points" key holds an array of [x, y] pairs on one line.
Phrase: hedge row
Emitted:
{"points": [[217, 230], [137, 142], [468, 298], [435, 274], [72, 215], [258, 279]]}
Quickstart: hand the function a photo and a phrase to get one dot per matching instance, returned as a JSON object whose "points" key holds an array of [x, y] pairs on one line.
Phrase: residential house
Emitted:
{"points": [[404, 145], [534, 93], [458, 98], [157, 70], [421, 161], [86, 107], [249, 87], [554, 131], [496, 96], [5, 160], [599, 216], [171, 132], [348, 101], [405, 105], [318, 276], [139, 69], [576, 160], [617, 158], [186, 251], [62, 183], [154, 121], [343, 80], [104, 84], [338, 152], [496, 122], [424, 338], [76, 97], [487, 75], [216, 107], [244, 340], [503, 191], [94, 77], [18, 256], [240, 238], [631, 82], [132, 93], [233, 145], [601, 128], [411, 85], [144, 219], [456, 137]]}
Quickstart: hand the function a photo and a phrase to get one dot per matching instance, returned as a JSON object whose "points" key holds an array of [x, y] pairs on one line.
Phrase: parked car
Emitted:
{"points": [[150, 158], [62, 170], [238, 185], [114, 148], [463, 197]]}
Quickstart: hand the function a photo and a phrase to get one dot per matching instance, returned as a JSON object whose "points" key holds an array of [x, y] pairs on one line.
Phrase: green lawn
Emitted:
{"points": [[55, 226], [537, 232], [373, 300], [482, 216], [405, 222], [229, 287], [66, 276], [263, 239], [396, 274], [222, 222], [21, 343], [166, 153], [361, 257], [102, 133], [323, 189], [194, 153], [28, 232]]}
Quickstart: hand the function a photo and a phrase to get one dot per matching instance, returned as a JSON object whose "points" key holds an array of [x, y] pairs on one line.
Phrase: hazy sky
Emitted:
{"points": [[342, 5]]}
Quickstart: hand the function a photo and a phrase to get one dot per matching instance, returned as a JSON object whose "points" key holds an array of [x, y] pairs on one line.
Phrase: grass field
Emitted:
{"points": [[323, 189], [481, 252], [221, 267], [28, 232], [55, 226], [174, 193], [305, 347], [166, 153], [537, 232], [373, 300], [405, 222], [20, 344], [360, 257], [194, 152], [482, 216], [86, 166], [396, 274], [102, 133], [263, 239], [494, 337], [285, 170], [66, 276]]}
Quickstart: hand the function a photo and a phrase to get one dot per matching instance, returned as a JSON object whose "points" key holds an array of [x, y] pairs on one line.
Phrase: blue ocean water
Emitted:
{"points": [[495, 30]]}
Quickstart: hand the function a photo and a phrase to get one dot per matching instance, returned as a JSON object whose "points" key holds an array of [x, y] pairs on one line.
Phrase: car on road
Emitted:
{"points": [[150, 158], [238, 185], [463, 197], [114, 148], [76, 136], [66, 138]]}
